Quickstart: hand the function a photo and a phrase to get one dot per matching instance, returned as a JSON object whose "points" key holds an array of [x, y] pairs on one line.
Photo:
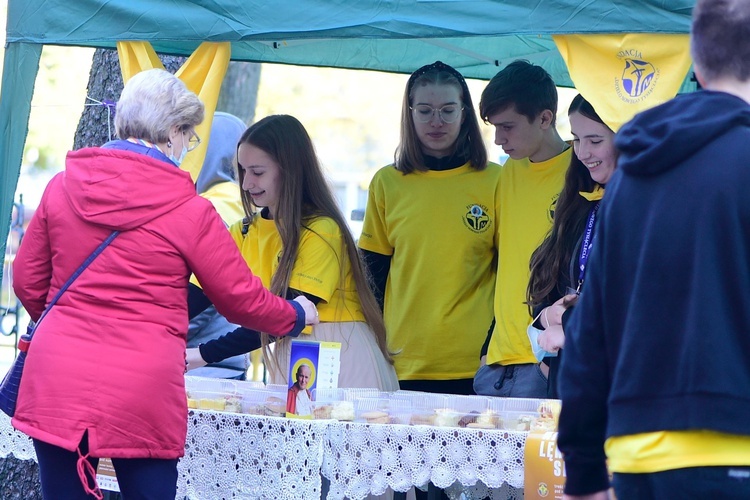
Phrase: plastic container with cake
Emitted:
{"points": [[205, 393], [205, 384], [249, 384], [519, 414], [475, 412], [339, 404], [375, 410], [252, 399], [217, 401], [549, 414], [331, 404], [456, 410], [491, 417], [273, 402], [421, 406], [438, 410]]}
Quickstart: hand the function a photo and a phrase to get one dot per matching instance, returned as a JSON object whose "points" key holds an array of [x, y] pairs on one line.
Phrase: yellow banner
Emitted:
{"points": [[202, 73], [624, 74], [135, 57], [544, 469]]}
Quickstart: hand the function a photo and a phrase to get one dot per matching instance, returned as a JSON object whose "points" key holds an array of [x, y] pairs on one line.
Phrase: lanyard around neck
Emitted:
{"points": [[588, 240]]}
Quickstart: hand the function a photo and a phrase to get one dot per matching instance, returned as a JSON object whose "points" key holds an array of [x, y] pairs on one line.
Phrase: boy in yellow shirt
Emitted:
{"points": [[521, 102]]}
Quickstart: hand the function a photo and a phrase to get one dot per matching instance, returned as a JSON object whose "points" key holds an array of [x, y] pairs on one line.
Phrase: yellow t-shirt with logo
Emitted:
{"points": [[528, 193], [316, 271], [439, 228], [669, 450]]}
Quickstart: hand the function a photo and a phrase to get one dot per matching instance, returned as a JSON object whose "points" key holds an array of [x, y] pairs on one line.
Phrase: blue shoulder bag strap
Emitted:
{"points": [[67, 284]]}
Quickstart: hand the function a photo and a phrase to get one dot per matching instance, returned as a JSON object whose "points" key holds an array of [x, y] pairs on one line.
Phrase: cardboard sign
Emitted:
{"points": [[312, 365], [544, 469]]}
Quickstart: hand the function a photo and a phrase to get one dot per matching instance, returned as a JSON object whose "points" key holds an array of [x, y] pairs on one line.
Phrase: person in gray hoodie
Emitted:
{"points": [[217, 182]]}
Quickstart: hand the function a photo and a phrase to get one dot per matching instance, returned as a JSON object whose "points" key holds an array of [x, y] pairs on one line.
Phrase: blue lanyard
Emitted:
{"points": [[588, 240]]}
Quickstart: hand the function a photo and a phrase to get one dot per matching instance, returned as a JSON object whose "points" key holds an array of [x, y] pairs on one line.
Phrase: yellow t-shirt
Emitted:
{"points": [[316, 271], [669, 450], [439, 228], [529, 193], [225, 197]]}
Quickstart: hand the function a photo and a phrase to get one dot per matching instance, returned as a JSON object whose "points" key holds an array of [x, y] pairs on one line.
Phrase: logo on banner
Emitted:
{"points": [[542, 490], [639, 77]]}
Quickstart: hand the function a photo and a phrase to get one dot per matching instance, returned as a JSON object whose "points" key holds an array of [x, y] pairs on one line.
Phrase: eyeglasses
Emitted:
{"points": [[194, 141], [449, 113]]}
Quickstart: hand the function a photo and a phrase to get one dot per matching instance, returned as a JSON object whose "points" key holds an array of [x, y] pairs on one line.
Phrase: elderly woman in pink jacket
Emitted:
{"points": [[104, 373]]}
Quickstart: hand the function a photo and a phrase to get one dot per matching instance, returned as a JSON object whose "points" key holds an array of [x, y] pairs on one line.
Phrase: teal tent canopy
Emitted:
{"points": [[478, 37]]}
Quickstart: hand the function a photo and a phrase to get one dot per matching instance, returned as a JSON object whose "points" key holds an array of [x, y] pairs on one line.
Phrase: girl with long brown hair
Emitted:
{"points": [[297, 241], [429, 235], [558, 265]]}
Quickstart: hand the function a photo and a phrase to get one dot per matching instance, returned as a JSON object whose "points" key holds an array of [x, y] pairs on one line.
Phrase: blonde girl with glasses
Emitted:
{"points": [[429, 235]]}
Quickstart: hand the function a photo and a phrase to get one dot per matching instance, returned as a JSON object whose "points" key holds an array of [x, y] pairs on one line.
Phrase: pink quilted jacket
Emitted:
{"points": [[110, 356]]}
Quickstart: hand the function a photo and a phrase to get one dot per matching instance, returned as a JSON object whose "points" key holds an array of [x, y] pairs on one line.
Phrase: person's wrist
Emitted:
{"points": [[299, 323], [201, 354]]}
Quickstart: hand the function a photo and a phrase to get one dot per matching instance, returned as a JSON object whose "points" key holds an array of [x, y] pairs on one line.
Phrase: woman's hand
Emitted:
{"points": [[552, 315], [552, 339], [194, 358], [311, 312]]}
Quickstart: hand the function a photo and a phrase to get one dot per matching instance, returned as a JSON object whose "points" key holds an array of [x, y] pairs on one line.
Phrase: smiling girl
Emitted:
{"points": [[558, 266], [296, 240]]}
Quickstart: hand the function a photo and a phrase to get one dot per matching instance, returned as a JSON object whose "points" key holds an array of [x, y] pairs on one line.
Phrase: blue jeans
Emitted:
{"points": [[511, 381], [691, 483]]}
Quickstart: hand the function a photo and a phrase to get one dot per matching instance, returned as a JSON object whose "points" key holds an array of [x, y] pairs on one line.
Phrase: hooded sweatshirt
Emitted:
{"points": [[218, 184], [659, 340], [109, 357]]}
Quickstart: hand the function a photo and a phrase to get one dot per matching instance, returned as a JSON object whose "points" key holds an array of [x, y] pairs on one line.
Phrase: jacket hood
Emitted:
{"points": [[121, 189], [218, 166], [662, 137]]}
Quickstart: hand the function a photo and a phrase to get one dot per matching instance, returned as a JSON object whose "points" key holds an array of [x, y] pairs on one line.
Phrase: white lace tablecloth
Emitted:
{"points": [[361, 459], [231, 455], [12, 441]]}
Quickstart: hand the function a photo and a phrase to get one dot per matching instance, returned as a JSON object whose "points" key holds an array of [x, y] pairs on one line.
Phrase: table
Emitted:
{"points": [[361, 459], [229, 455]]}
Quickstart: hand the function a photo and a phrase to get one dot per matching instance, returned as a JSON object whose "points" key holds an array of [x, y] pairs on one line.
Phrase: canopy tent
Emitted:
{"points": [[478, 37]]}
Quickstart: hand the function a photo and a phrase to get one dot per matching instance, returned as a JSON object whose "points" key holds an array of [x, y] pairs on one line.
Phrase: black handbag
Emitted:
{"points": [[12, 381]]}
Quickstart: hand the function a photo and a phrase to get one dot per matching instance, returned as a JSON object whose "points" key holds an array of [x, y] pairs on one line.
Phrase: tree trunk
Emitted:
{"points": [[97, 125], [239, 90], [19, 479]]}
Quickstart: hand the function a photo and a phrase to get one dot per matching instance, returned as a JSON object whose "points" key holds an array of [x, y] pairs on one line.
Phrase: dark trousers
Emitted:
{"points": [[139, 478], [460, 386], [685, 484]]}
